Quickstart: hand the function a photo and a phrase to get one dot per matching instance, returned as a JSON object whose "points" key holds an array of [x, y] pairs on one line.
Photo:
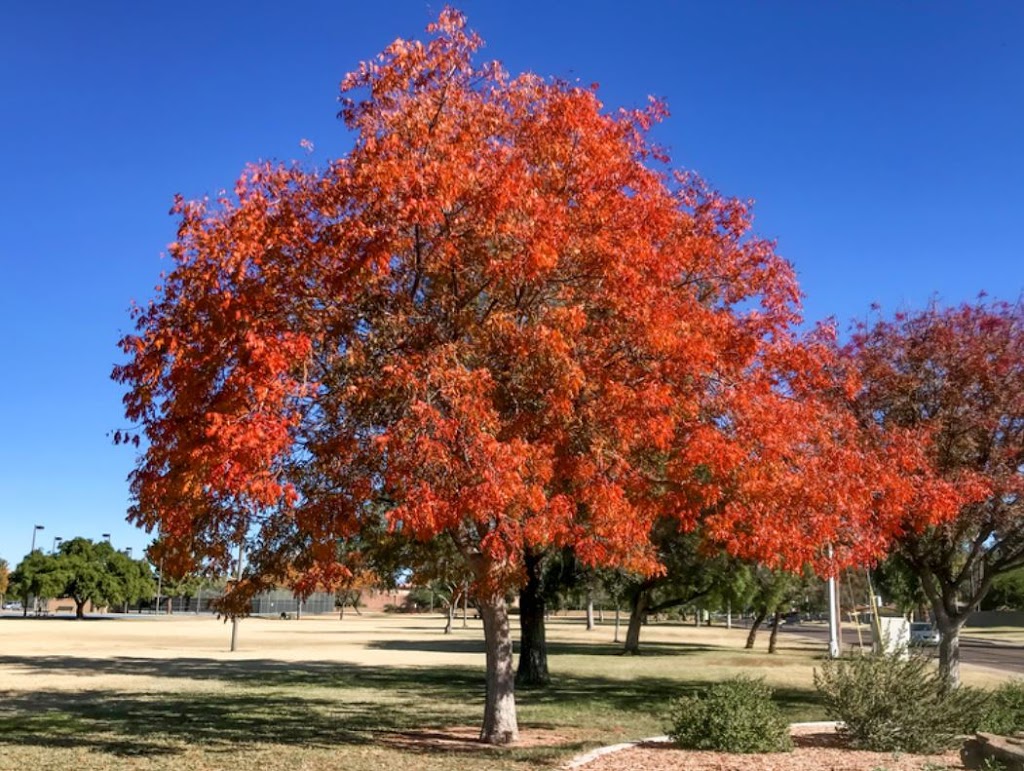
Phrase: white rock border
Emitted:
{"points": [[587, 757]]}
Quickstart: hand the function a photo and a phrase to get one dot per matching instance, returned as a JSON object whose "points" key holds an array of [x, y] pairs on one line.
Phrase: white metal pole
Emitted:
{"points": [[234, 621], [833, 614]]}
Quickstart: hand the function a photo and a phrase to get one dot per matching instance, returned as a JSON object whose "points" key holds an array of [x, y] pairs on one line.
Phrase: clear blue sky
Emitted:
{"points": [[883, 142]]}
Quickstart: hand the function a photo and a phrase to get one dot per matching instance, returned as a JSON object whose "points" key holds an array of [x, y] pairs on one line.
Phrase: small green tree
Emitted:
{"points": [[5, 579], [772, 592], [134, 580], [1007, 592], [96, 573], [693, 570], [898, 584], [38, 575], [185, 587]]}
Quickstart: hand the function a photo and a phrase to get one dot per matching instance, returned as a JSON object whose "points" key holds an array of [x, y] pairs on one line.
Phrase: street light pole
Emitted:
{"points": [[128, 554], [106, 537], [35, 530], [24, 609], [57, 541]]}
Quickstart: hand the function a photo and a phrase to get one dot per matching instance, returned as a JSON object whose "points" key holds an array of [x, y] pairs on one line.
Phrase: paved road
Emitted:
{"points": [[1002, 656]]}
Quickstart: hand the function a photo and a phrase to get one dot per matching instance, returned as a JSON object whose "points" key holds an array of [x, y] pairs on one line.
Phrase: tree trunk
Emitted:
{"points": [[356, 599], [465, 605], [449, 617], [637, 613], [590, 610], [533, 646], [500, 723], [775, 630], [762, 613], [949, 618], [79, 608], [949, 647]]}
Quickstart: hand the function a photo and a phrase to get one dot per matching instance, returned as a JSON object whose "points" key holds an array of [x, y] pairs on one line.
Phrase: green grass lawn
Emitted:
{"points": [[370, 704]]}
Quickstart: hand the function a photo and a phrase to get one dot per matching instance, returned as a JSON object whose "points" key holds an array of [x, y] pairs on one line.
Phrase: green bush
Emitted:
{"points": [[1005, 710], [736, 715], [893, 703]]}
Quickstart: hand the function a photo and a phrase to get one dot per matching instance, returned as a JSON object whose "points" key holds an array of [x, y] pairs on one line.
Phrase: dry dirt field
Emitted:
{"points": [[368, 692]]}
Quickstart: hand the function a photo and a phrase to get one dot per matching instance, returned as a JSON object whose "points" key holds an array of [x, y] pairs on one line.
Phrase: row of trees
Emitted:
{"points": [[502, 327], [94, 572], [85, 571]]}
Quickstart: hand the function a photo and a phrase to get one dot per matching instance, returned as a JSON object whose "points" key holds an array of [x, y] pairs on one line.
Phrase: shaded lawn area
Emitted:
{"points": [[274, 715]]}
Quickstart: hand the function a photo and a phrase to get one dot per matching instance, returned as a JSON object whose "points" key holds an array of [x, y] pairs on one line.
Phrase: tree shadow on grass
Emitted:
{"points": [[463, 645], [264, 703], [159, 724]]}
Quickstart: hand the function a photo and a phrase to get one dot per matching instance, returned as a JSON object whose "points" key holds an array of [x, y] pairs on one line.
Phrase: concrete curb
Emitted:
{"points": [[587, 757]]}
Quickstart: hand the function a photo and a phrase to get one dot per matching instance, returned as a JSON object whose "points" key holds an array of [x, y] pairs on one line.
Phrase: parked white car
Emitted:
{"points": [[924, 634]]}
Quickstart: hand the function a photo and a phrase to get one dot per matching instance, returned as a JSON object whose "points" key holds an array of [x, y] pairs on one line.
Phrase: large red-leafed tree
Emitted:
{"points": [[955, 378], [505, 320]]}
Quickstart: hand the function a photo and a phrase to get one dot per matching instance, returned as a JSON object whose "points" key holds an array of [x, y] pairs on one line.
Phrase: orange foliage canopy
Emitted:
{"points": [[954, 378], [503, 317]]}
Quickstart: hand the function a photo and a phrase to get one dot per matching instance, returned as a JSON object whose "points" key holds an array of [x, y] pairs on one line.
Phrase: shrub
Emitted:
{"points": [[736, 715], [1005, 711], [894, 703]]}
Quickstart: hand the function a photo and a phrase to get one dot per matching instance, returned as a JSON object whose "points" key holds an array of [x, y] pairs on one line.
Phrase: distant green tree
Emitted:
{"points": [[134, 580], [774, 591], [1007, 592], [97, 573], [898, 583], [5, 579], [186, 587], [38, 575], [693, 570]]}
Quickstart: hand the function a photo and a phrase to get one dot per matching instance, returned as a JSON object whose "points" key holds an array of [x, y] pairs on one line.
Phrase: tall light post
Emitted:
{"points": [[106, 537], [24, 609], [57, 541], [35, 530], [128, 553]]}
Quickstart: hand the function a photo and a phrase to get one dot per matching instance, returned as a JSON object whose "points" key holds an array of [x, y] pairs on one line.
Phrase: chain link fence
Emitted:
{"points": [[279, 603]]}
